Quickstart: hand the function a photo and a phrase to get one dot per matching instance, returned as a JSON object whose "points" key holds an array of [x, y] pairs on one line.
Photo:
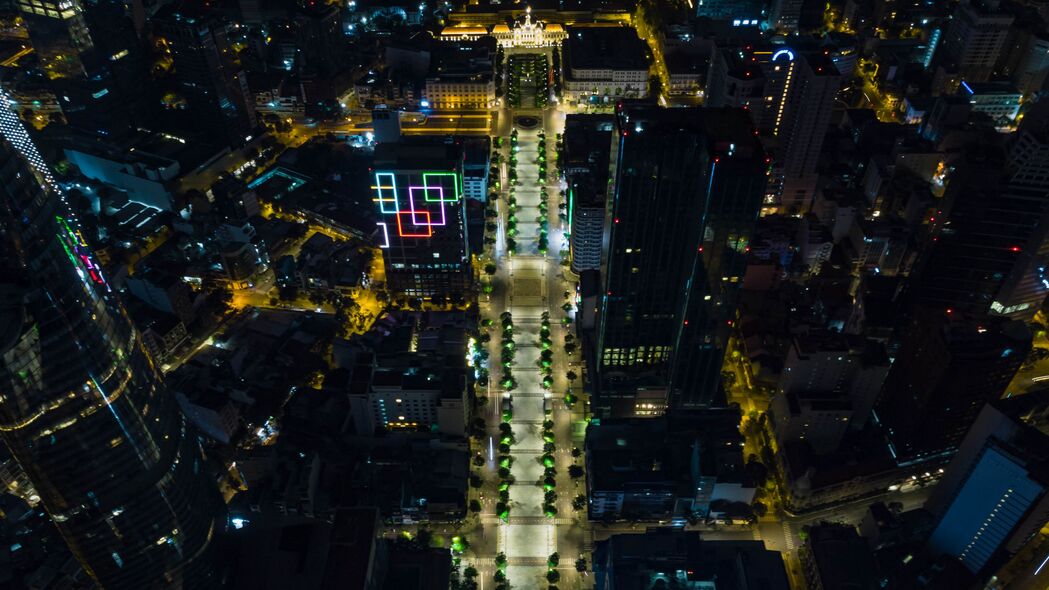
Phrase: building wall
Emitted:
{"points": [[974, 41], [584, 83], [822, 428], [459, 94], [588, 224], [984, 511]]}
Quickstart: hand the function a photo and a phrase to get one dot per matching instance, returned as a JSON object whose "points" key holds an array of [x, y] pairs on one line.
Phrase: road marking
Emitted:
{"points": [[788, 536]]}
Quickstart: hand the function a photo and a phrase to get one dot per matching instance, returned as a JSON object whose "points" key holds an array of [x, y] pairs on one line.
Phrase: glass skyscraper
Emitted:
{"points": [[83, 409], [688, 188]]}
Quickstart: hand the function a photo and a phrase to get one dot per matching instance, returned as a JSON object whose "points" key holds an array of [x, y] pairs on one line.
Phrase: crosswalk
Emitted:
{"points": [[539, 520], [788, 536]]}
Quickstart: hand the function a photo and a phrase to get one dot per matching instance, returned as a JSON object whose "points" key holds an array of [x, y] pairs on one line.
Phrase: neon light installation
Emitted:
{"points": [[79, 254], [781, 53], [416, 209]]}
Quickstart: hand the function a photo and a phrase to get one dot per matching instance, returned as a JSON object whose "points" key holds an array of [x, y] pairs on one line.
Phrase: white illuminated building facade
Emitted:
{"points": [[15, 132], [529, 33], [525, 33]]}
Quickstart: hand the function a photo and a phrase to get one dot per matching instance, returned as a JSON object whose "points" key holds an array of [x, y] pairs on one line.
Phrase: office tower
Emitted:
{"points": [[753, 77], [59, 34], [979, 233], [992, 499], [320, 38], [84, 411], [790, 95], [784, 15], [687, 188], [587, 145], [1027, 284], [810, 83], [93, 60], [1033, 67], [215, 88], [974, 39], [422, 217], [731, 10], [947, 369]]}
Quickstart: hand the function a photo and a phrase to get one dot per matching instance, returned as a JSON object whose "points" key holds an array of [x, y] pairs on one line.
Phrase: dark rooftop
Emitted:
{"points": [[682, 559], [617, 48]]}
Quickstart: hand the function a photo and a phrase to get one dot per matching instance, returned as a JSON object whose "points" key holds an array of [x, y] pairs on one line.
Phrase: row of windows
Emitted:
{"points": [[641, 354]]}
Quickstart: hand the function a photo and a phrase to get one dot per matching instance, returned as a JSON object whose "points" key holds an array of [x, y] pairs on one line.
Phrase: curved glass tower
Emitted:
{"points": [[83, 409]]}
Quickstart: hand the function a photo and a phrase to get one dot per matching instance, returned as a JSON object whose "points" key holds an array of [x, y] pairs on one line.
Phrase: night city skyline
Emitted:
{"points": [[488, 295]]}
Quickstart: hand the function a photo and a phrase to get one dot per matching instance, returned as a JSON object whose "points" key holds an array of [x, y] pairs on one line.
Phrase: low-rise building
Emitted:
{"points": [[688, 73], [330, 265], [409, 398], [689, 465], [603, 64], [162, 333], [462, 75], [672, 558], [835, 557], [163, 291], [277, 94], [414, 379], [998, 100]]}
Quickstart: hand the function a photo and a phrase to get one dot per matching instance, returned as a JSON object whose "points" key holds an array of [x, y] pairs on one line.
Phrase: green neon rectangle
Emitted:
{"points": [[456, 185]]}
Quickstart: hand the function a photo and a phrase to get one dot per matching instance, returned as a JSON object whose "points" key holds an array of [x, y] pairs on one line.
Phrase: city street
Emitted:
{"points": [[527, 284]]}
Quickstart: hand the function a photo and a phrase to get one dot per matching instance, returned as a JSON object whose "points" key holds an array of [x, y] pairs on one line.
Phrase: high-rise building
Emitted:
{"points": [[983, 228], [785, 14], [730, 10], [992, 499], [973, 42], [418, 188], [84, 411], [947, 369], [214, 86], [93, 60], [790, 95], [320, 38], [737, 79], [810, 83], [687, 189], [1027, 284], [588, 142], [60, 36], [1033, 67]]}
